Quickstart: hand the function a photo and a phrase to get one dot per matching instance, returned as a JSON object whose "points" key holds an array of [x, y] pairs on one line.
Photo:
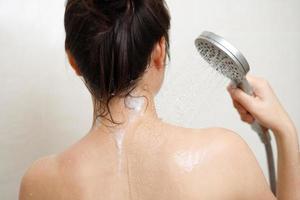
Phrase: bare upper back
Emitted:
{"points": [[157, 162]]}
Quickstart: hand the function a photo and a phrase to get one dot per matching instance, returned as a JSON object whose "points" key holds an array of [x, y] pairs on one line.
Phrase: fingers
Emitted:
{"points": [[248, 118], [259, 85], [263, 106], [243, 103], [254, 80], [244, 114], [239, 107], [241, 98]]}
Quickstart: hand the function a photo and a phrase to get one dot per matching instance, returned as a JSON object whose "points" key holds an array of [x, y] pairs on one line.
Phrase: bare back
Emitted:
{"points": [[157, 161]]}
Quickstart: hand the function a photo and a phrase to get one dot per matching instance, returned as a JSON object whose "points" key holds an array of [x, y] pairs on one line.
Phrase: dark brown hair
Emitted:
{"points": [[111, 42]]}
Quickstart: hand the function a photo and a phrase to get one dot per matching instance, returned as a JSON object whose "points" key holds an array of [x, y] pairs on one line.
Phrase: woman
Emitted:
{"points": [[119, 48]]}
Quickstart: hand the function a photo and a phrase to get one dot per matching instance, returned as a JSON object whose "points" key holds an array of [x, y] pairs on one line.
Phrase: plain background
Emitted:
{"points": [[44, 107]]}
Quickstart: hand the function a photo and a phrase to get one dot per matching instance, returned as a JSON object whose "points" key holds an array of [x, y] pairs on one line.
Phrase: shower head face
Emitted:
{"points": [[222, 56]]}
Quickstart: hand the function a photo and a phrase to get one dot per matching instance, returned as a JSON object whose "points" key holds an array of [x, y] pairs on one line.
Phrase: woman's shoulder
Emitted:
{"points": [[56, 176], [39, 179], [50, 177], [204, 146], [204, 137], [215, 158]]}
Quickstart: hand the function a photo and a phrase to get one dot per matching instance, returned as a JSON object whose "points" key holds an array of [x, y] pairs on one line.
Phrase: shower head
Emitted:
{"points": [[222, 56]]}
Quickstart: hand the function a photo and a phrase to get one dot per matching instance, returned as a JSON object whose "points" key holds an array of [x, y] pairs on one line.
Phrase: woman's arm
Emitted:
{"points": [[266, 108], [288, 185]]}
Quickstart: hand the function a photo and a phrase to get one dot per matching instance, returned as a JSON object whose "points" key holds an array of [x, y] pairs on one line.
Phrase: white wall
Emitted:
{"points": [[44, 107]]}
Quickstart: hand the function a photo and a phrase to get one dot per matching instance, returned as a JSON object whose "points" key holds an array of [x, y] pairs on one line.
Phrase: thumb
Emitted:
{"points": [[242, 98]]}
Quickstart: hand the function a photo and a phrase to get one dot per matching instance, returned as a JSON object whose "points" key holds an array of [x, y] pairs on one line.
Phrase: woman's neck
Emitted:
{"points": [[136, 107]]}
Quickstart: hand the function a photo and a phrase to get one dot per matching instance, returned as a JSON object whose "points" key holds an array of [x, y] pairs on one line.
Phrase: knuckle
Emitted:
{"points": [[243, 118], [235, 105], [247, 120], [242, 111]]}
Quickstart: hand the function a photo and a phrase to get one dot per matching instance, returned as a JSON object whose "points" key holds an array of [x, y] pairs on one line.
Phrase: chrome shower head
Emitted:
{"points": [[222, 56]]}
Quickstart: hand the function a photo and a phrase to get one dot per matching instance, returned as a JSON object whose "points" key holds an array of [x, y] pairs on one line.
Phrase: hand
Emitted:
{"points": [[264, 106]]}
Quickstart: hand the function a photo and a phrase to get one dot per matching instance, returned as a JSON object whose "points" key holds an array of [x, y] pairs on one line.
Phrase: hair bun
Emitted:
{"points": [[111, 10]]}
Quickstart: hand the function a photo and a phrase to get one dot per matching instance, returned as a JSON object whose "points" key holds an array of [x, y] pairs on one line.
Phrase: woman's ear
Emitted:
{"points": [[159, 54], [73, 63]]}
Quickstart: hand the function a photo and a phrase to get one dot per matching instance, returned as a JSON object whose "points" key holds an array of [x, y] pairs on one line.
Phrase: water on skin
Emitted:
{"points": [[189, 159], [119, 138], [135, 104]]}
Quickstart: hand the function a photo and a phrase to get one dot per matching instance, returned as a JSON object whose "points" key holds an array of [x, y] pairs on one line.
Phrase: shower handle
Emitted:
{"points": [[263, 134]]}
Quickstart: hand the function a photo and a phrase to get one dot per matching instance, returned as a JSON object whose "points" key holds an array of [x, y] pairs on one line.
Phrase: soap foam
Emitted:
{"points": [[135, 103]]}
